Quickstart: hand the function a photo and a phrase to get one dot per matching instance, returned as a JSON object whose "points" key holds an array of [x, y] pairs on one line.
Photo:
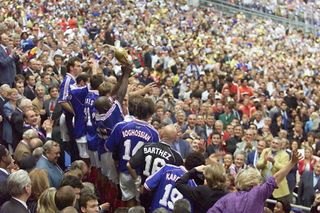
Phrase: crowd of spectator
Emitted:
{"points": [[298, 10], [208, 111]]}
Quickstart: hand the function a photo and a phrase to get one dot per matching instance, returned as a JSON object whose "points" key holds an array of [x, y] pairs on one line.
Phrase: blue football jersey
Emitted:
{"points": [[106, 123], [90, 120], [162, 183], [128, 137], [65, 87], [77, 100]]}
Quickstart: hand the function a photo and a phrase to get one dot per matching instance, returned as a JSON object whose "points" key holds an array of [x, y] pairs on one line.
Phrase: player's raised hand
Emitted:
{"points": [[126, 69]]}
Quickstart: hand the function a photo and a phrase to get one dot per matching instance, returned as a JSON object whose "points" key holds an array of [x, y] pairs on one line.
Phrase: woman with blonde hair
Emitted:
{"points": [[46, 202], [40, 182], [8, 108], [309, 161], [204, 196], [251, 195]]}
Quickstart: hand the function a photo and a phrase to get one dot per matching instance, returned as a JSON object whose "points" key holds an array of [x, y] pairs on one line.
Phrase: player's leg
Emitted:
{"points": [[129, 191]]}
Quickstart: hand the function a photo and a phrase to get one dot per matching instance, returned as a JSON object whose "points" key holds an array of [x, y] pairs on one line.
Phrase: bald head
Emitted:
{"points": [[168, 134], [29, 134], [112, 79], [35, 143]]}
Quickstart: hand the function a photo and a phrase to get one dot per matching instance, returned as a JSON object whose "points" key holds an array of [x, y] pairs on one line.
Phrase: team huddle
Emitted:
{"points": [[123, 146]]}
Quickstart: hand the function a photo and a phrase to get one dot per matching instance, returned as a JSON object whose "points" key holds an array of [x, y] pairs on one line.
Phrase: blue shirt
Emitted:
{"points": [[127, 138], [90, 120], [106, 122], [163, 184], [77, 101]]}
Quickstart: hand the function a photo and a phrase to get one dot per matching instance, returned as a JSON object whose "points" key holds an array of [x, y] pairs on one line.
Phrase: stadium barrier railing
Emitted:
{"points": [[227, 8]]}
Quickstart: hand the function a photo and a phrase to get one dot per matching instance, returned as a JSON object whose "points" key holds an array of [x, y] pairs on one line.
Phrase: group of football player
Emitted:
{"points": [[124, 151]]}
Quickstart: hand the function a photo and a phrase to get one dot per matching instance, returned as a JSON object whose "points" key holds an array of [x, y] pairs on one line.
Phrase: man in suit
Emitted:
{"points": [[31, 121], [191, 127], [271, 161], [8, 58], [309, 184], [254, 156], [48, 161], [209, 127], [233, 141], [248, 144], [5, 161], [180, 145], [285, 115], [39, 100], [29, 91], [19, 186], [3, 99], [33, 68], [17, 120], [24, 148], [58, 69], [53, 110]]}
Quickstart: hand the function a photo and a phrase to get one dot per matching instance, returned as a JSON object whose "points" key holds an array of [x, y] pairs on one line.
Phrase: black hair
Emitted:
{"points": [[145, 108], [3, 151], [72, 181], [285, 205], [82, 77], [133, 104], [71, 63], [53, 87], [96, 81], [193, 160]]}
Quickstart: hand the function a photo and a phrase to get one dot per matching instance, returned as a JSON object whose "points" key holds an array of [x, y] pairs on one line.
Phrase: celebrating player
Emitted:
{"points": [[126, 139]]}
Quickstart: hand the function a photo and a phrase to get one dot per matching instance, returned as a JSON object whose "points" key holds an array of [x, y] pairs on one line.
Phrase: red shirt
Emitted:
{"points": [[246, 89]]}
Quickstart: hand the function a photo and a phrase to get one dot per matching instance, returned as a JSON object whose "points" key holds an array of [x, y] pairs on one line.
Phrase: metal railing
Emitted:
{"points": [[229, 9], [304, 208]]}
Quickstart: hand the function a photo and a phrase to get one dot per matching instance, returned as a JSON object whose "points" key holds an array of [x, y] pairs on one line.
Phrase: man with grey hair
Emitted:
{"points": [[24, 148], [8, 58], [272, 160], [19, 186], [39, 99], [48, 161], [182, 206], [17, 120]]}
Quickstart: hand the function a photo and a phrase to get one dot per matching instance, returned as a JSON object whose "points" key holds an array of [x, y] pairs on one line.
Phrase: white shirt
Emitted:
{"points": [[5, 171]]}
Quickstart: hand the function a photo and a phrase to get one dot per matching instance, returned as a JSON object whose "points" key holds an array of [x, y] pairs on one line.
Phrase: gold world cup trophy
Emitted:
{"points": [[120, 54]]}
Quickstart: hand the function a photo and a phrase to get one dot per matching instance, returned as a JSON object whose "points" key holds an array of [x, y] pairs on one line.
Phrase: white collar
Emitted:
{"points": [[3, 46], [74, 78], [5, 171], [22, 202]]}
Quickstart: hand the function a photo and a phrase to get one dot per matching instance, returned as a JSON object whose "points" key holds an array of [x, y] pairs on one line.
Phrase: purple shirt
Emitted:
{"points": [[245, 201]]}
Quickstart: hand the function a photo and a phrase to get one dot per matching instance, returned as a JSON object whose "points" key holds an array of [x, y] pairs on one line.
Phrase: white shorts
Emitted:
{"points": [[94, 159], [82, 147], [128, 187], [63, 128], [108, 168]]}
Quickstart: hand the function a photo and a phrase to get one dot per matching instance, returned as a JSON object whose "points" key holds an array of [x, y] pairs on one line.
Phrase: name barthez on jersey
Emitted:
{"points": [[137, 133], [157, 151]]}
